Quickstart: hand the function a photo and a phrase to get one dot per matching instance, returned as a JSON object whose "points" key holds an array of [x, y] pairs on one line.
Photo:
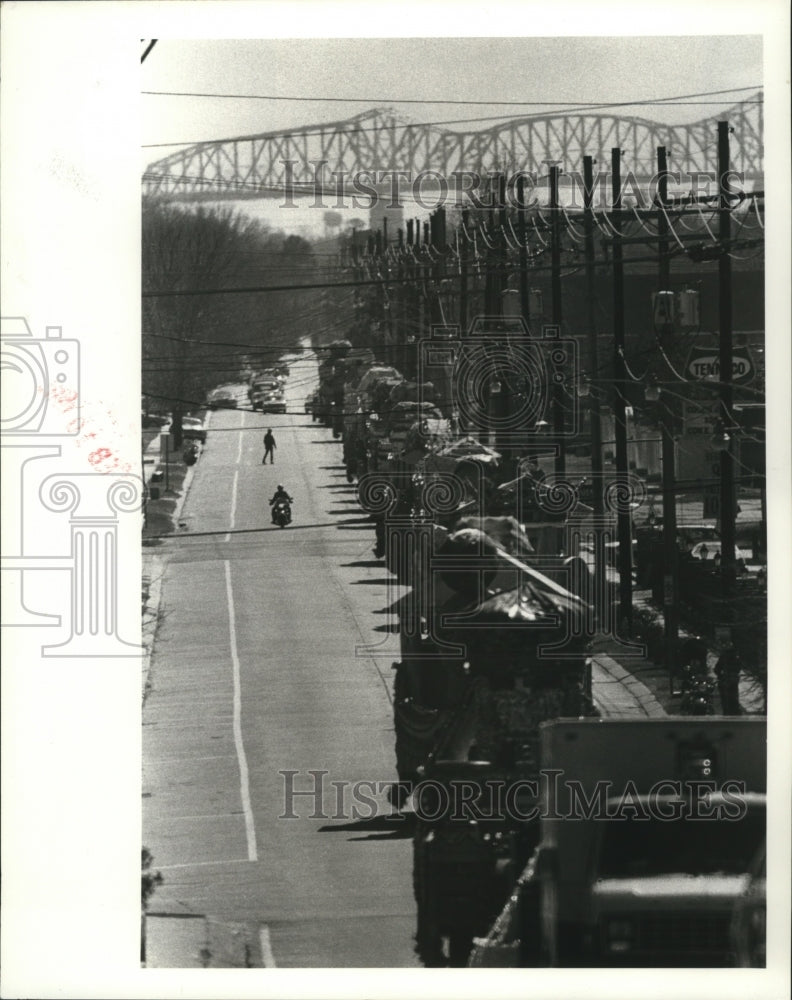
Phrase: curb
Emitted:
{"points": [[188, 478], [642, 696], [153, 570]]}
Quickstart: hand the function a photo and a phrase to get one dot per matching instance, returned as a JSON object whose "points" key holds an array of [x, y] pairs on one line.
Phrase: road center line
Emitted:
{"points": [[236, 482], [244, 785], [239, 449], [267, 957], [233, 506]]}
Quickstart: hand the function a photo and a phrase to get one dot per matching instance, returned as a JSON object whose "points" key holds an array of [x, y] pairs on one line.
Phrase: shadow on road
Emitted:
{"points": [[397, 826], [379, 582]]}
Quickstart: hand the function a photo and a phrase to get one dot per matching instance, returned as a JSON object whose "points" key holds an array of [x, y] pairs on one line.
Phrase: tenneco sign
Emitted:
{"points": [[704, 365]]}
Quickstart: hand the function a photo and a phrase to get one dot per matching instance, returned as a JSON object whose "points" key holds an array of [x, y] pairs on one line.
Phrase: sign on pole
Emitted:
{"points": [[703, 365]]}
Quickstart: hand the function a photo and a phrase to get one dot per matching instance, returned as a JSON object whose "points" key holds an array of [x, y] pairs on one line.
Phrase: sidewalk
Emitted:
{"points": [[632, 686], [153, 566], [618, 693], [152, 452], [752, 700]]}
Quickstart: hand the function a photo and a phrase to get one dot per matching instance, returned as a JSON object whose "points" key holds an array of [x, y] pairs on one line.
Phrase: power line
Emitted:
{"points": [[682, 98], [501, 119], [243, 531], [379, 282]]}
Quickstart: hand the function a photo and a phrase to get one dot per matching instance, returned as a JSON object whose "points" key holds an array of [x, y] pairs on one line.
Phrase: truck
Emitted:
{"points": [[650, 830]]}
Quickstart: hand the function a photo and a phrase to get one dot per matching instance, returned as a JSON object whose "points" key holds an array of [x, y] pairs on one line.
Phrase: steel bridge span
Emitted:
{"points": [[257, 166]]}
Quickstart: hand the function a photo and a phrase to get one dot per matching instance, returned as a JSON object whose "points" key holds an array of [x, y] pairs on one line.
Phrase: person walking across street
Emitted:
{"points": [[269, 447]]}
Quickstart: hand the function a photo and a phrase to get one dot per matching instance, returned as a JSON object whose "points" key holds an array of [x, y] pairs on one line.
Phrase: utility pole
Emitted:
{"points": [[504, 401], [555, 265], [387, 302], [525, 292], [594, 409], [624, 514], [667, 411], [463, 273], [728, 502]]}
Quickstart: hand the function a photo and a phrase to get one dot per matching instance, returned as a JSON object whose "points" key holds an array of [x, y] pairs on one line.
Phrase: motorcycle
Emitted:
{"points": [[281, 513], [698, 692]]}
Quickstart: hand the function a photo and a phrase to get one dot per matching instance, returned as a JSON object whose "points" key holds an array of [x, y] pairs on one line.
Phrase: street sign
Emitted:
{"points": [[703, 365], [167, 447]]}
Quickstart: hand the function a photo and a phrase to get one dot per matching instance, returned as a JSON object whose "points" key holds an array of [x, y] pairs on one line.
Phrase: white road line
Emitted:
{"points": [[244, 786], [206, 864], [241, 428], [266, 948], [233, 506], [236, 481]]}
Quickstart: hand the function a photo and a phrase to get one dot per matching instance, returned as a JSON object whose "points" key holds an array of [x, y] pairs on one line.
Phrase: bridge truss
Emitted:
{"points": [[379, 140]]}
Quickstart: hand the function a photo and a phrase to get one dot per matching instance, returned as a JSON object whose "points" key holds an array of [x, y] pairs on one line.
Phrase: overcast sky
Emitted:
{"points": [[388, 71]]}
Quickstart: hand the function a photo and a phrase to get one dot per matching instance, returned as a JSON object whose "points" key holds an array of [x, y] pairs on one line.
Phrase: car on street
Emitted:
{"points": [[711, 549], [273, 402], [223, 398], [262, 388], [193, 429]]}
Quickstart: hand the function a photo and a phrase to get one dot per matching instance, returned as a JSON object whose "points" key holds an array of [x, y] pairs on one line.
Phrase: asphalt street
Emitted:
{"points": [[273, 655]]}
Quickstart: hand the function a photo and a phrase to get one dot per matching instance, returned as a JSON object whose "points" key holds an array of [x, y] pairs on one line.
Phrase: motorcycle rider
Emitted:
{"points": [[280, 494]]}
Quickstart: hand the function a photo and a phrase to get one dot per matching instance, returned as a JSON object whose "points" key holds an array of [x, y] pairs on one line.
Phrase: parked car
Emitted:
{"points": [[193, 429], [154, 419], [711, 549]]}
